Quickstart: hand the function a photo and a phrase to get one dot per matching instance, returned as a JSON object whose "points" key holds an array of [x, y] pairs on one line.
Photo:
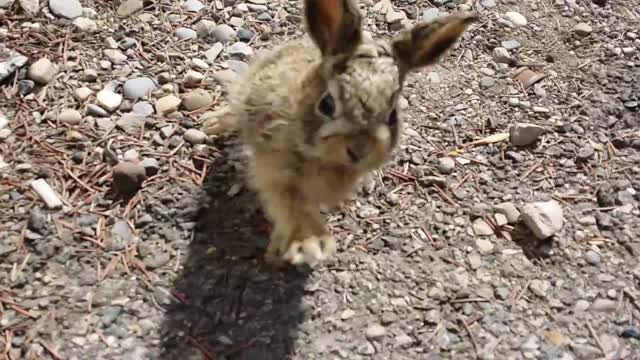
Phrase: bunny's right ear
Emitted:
{"points": [[423, 44], [334, 25]]}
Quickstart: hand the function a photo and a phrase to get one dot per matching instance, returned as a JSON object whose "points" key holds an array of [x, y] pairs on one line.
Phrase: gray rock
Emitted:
{"points": [[502, 56], [205, 28], [143, 108], [139, 87], [481, 228], [95, 110], [592, 257], [108, 100], [582, 29], [603, 305], [509, 210], [487, 82], [194, 136], [213, 52], [43, 71], [129, 7], [85, 25], [543, 218], [523, 134], [119, 237], [30, 7], [151, 166], [115, 56], [197, 99], [516, 18], [70, 117], [131, 123], [69, 9], [186, 33], [446, 165], [6, 4], [240, 49], [128, 177], [223, 33], [511, 44], [193, 6], [430, 14], [26, 86], [375, 332], [13, 60], [586, 152]]}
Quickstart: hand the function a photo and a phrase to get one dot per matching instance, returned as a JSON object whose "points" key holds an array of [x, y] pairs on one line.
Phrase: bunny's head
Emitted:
{"points": [[350, 97]]}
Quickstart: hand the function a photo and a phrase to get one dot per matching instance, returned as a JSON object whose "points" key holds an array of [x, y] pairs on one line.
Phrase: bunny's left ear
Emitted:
{"points": [[424, 43], [334, 25]]}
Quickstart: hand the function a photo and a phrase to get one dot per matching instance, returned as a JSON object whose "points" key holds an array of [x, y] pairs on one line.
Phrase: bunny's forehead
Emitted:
{"points": [[369, 83]]}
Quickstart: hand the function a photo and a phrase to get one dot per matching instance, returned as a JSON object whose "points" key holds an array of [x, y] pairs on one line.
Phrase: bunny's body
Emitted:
{"points": [[319, 113]]}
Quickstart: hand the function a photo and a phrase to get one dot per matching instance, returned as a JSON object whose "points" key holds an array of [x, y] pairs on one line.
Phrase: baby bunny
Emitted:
{"points": [[320, 112]]}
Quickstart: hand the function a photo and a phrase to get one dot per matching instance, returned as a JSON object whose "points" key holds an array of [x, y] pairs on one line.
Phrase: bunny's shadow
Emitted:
{"points": [[233, 306]]}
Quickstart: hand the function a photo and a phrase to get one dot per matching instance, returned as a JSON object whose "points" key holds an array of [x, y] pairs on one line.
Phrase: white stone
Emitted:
{"points": [[108, 100], [46, 193], [69, 9], [43, 71], [516, 18], [543, 218]]}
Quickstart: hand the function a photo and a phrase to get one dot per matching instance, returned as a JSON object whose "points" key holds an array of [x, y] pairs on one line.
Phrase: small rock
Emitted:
{"points": [[592, 257], [240, 49], [128, 177], [446, 165], [85, 25], [586, 152], [375, 332], [516, 18], [115, 56], [11, 61], [205, 28], [37, 221], [167, 105], [582, 29], [523, 134], [70, 117], [193, 78], [143, 108], [151, 166], [31, 7], [197, 99], [245, 35], [502, 56], [95, 110], [194, 136], [200, 64], [69, 9], [509, 210], [539, 287], [108, 100], [129, 7], [501, 219], [430, 14], [42, 71], [223, 33], [347, 314], [90, 75], [487, 82], [193, 6], [139, 87], [119, 237], [604, 305], [511, 44], [485, 246], [186, 33], [46, 193], [131, 123], [543, 218], [213, 53]]}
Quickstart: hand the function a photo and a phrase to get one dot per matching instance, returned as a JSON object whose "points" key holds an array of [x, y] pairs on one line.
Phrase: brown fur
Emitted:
{"points": [[301, 160]]}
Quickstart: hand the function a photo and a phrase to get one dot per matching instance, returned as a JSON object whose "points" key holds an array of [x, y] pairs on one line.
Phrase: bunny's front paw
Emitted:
{"points": [[311, 250]]}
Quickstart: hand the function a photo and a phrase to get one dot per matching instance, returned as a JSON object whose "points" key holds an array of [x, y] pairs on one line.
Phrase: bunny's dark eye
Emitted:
{"points": [[392, 119], [327, 106]]}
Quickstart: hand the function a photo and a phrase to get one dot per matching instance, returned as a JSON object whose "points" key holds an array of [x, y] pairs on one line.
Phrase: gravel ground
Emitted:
{"points": [[506, 226]]}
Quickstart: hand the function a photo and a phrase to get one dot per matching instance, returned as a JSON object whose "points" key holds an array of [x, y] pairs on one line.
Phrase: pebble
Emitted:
{"points": [[139, 87], [131, 123], [70, 117], [487, 82], [196, 99], [90, 75], [485, 246], [240, 49], [223, 33], [213, 52], [46, 193], [108, 100], [501, 55], [603, 305], [199, 63], [96, 110], [85, 25], [31, 7], [186, 33], [511, 44], [26, 86], [3, 120], [204, 28], [543, 218], [509, 210], [539, 287], [582, 29], [129, 7], [115, 56], [430, 14], [69, 9], [151, 166], [42, 71], [523, 134], [481, 228], [446, 165], [245, 35], [11, 61], [586, 152], [374, 332], [119, 237], [167, 105], [347, 314], [516, 18], [128, 177], [193, 6], [194, 136]]}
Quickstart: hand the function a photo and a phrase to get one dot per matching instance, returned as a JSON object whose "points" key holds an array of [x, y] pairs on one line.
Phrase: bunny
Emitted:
{"points": [[319, 113]]}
